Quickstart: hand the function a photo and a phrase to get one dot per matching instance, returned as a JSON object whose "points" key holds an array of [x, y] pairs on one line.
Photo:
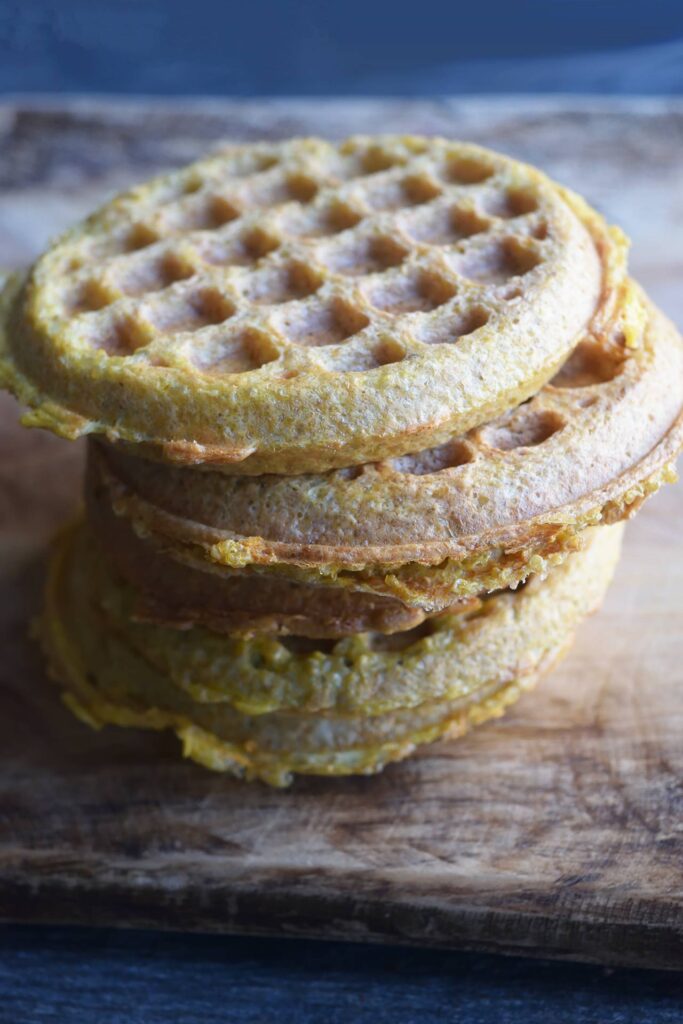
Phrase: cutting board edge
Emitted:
{"points": [[576, 935]]}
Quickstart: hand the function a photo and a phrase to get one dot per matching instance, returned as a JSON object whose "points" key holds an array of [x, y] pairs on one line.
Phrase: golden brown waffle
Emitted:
{"points": [[296, 307], [267, 708], [478, 513]]}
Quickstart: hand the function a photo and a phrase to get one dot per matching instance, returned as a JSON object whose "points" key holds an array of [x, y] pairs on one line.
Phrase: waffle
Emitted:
{"points": [[298, 307], [476, 514], [170, 592], [267, 708]]}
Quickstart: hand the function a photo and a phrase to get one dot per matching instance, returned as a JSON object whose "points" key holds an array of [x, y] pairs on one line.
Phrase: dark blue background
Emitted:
{"points": [[71, 976], [349, 47]]}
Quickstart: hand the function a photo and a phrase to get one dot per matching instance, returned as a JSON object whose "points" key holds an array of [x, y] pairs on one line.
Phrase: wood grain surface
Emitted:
{"points": [[557, 831]]}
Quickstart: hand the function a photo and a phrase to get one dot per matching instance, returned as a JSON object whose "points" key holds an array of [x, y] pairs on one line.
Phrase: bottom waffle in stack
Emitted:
{"points": [[268, 707]]}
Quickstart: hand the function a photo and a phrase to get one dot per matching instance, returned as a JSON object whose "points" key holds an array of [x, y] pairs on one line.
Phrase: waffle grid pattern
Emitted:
{"points": [[577, 387], [249, 262]]}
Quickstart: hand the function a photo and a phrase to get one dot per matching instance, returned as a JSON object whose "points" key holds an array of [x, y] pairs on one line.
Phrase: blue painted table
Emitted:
{"points": [[73, 976]]}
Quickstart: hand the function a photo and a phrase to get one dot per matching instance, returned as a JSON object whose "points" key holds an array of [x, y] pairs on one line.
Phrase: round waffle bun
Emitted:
{"points": [[267, 708], [475, 514], [302, 306]]}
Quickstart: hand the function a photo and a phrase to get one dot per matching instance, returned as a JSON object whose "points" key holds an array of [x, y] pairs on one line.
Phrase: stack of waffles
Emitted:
{"points": [[363, 422]]}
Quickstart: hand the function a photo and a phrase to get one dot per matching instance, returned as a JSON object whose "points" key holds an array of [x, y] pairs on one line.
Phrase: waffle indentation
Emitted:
{"points": [[295, 187], [140, 236], [590, 363], [413, 190], [434, 460], [513, 202], [153, 275], [121, 336], [238, 352], [388, 351], [243, 250], [302, 188], [447, 226], [321, 324], [468, 170], [89, 296], [275, 285], [192, 312], [498, 262], [361, 256], [456, 326], [332, 219], [201, 213], [411, 293], [526, 428], [376, 159]]}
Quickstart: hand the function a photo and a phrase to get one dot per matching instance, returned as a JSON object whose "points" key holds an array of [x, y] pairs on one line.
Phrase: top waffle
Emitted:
{"points": [[303, 306]]}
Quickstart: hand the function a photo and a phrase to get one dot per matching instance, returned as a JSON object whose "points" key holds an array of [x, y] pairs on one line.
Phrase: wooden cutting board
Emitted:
{"points": [[557, 831]]}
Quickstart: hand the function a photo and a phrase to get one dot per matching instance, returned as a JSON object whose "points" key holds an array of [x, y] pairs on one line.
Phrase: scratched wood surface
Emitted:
{"points": [[557, 831]]}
